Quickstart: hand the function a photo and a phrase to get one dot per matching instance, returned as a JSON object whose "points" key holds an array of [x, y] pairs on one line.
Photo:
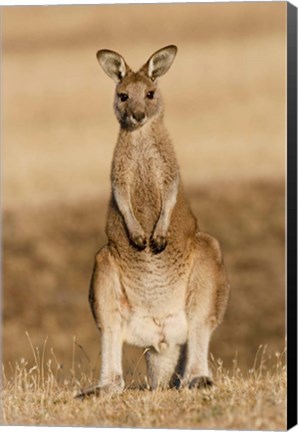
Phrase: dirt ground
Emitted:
{"points": [[225, 110]]}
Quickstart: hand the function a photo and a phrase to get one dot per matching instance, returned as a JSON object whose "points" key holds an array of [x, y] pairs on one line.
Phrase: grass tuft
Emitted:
{"points": [[43, 394]]}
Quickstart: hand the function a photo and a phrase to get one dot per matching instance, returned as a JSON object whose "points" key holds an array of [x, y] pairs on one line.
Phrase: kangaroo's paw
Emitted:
{"points": [[200, 382], [139, 241], [158, 243]]}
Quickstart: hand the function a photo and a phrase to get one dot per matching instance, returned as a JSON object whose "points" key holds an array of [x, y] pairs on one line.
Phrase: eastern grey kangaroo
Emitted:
{"points": [[159, 283]]}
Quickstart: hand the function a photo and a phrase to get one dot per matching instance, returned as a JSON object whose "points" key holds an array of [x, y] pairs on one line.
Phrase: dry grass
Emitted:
{"points": [[40, 395]]}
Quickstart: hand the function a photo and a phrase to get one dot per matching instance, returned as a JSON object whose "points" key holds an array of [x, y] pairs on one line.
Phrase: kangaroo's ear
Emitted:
{"points": [[160, 62], [113, 64]]}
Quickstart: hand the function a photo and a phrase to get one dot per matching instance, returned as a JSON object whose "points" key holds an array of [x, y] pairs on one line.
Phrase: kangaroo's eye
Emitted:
{"points": [[150, 95], [123, 97]]}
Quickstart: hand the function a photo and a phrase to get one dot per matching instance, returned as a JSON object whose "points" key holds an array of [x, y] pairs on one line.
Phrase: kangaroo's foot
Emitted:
{"points": [[92, 391], [200, 382], [158, 243]]}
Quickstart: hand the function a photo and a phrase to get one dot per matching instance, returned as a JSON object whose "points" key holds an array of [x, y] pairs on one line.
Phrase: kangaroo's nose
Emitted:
{"points": [[139, 116]]}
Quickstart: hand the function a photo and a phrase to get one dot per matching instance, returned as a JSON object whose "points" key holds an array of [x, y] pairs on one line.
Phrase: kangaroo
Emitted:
{"points": [[159, 283]]}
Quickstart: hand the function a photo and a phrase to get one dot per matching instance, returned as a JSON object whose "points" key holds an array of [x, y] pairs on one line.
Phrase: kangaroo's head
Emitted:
{"points": [[137, 97]]}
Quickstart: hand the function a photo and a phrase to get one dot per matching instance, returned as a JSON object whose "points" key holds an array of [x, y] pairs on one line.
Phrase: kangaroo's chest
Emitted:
{"points": [[148, 167], [147, 183]]}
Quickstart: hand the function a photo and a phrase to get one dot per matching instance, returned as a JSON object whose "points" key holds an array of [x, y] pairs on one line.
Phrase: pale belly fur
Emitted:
{"points": [[147, 331], [154, 310]]}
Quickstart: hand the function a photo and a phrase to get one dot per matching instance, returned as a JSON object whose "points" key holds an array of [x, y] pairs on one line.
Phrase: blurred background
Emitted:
{"points": [[226, 112]]}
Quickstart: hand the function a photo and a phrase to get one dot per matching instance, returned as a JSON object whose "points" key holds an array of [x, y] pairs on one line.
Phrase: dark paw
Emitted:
{"points": [[158, 244], [139, 242], [202, 382], [176, 382]]}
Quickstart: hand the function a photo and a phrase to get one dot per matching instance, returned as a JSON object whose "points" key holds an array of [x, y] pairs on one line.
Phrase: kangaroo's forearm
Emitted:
{"points": [[169, 199], [135, 231], [123, 200]]}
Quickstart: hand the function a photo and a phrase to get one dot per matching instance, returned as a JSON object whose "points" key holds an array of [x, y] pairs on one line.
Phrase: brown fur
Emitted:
{"points": [[159, 283]]}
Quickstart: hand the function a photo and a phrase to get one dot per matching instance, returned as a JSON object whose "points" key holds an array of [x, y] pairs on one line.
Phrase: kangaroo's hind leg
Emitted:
{"points": [[105, 298], [206, 301]]}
